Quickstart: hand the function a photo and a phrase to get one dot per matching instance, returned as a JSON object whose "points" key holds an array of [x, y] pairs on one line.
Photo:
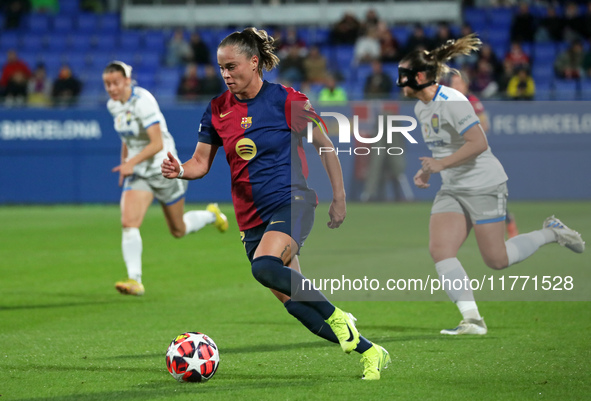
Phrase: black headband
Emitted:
{"points": [[411, 77]]}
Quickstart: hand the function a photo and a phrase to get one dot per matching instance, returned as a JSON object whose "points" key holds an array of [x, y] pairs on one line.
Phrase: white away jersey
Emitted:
{"points": [[131, 121], [444, 120]]}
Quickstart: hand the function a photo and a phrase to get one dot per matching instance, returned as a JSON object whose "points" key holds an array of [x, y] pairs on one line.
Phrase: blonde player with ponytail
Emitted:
{"points": [[474, 192], [261, 126]]}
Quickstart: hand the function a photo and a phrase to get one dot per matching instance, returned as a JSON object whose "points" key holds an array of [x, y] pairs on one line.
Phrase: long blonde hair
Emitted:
{"points": [[434, 62]]}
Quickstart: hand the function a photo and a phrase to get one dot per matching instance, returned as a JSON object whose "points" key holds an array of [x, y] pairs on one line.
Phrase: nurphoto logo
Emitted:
{"points": [[392, 127]]}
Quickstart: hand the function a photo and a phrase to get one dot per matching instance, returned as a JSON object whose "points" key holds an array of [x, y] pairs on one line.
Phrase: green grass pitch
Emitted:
{"points": [[66, 334]]}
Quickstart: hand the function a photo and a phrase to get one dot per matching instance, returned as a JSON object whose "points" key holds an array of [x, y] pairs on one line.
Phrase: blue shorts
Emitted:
{"points": [[295, 220]]}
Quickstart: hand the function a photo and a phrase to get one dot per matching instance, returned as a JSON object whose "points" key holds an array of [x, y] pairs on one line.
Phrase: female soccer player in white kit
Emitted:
{"points": [[145, 142], [474, 191]]}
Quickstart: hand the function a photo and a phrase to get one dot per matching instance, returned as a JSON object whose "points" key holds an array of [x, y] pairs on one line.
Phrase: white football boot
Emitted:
{"points": [[468, 326], [564, 235]]}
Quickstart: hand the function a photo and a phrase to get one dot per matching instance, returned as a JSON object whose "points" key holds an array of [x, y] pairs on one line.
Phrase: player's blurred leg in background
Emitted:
{"points": [[511, 225]]}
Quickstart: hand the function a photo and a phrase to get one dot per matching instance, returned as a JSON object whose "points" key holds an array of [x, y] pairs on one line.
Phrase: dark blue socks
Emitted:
{"points": [[270, 272], [311, 319], [308, 305]]}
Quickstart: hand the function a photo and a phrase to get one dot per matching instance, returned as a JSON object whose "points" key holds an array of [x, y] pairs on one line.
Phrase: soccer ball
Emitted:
{"points": [[192, 357]]}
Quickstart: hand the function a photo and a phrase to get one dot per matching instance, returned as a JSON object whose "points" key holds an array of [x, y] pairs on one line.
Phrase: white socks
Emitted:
{"points": [[523, 246], [195, 220], [131, 241], [450, 271], [131, 245], [518, 248]]}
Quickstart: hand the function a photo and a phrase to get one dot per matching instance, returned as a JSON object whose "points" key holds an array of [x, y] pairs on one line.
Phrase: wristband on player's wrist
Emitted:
{"points": [[181, 172]]}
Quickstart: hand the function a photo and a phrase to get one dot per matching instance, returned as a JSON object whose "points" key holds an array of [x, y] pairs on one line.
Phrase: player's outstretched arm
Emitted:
{"points": [[154, 146], [194, 168], [332, 165]]}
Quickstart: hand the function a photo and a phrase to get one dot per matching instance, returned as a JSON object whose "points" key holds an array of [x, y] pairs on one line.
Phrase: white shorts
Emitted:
{"points": [[165, 190], [490, 206]]}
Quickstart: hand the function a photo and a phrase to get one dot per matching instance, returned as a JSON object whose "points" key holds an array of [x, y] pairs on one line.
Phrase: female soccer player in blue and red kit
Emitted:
{"points": [[261, 126]]}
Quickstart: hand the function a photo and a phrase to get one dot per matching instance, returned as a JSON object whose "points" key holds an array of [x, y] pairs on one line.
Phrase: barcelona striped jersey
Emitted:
{"points": [[263, 140]]}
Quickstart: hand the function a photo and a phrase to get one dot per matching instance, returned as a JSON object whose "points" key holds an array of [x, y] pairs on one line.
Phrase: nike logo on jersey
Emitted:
{"points": [[275, 222], [222, 115]]}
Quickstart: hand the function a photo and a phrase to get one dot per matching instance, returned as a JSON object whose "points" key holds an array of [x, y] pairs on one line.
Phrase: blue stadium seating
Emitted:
{"points": [[544, 52], [222, 33], [63, 23], [106, 41], [76, 61], [110, 23], [565, 89], [455, 30], [147, 60], [561, 46], [87, 22], [543, 91], [320, 35], [498, 38], [89, 41], [209, 38], [69, 7], [144, 78], [430, 30], [57, 43], [271, 76], [538, 11], [401, 33], [543, 73], [81, 41], [342, 57], [500, 50], [100, 59], [315, 90], [53, 62], [392, 70], [9, 40], [32, 42], [500, 18], [36, 23], [476, 17], [354, 90], [304, 34], [164, 90], [154, 40], [130, 40], [168, 77], [362, 72], [586, 89], [94, 87], [31, 58]]}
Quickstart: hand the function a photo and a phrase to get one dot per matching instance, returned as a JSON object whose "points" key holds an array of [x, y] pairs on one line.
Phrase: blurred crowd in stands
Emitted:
{"points": [[532, 50]]}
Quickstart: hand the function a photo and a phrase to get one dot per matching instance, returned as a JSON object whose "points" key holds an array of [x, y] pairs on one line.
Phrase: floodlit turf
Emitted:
{"points": [[65, 334]]}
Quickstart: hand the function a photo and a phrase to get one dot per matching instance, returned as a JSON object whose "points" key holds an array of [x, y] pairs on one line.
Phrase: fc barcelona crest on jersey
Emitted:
{"points": [[246, 122], [435, 123]]}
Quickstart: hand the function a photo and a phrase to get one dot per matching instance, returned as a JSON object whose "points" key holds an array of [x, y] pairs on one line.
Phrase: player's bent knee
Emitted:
{"points": [[130, 224], [496, 264], [438, 254], [176, 233], [264, 268]]}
